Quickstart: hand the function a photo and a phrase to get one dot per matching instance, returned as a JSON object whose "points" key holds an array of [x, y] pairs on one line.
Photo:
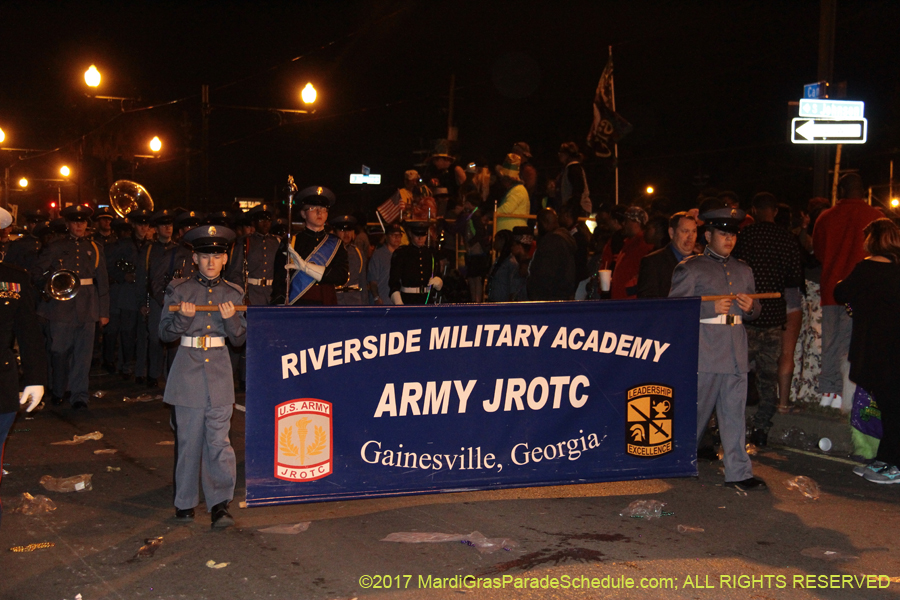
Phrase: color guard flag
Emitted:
{"points": [[608, 126]]}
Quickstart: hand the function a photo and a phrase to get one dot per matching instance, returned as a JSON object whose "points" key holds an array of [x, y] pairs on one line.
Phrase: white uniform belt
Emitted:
{"points": [[263, 281], [723, 320], [415, 290], [204, 341], [87, 281]]}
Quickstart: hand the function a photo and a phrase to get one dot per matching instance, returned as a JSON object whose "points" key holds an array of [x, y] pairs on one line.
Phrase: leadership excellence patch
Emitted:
{"points": [[650, 409]]}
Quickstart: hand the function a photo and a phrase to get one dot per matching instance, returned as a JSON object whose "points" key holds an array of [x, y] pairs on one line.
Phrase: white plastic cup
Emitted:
{"points": [[825, 444], [605, 277]]}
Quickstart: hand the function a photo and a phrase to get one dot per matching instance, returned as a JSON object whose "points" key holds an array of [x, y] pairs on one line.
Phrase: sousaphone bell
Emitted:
{"points": [[127, 196]]}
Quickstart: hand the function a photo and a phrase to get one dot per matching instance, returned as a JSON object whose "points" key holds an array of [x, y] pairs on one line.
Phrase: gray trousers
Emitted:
{"points": [[727, 394], [71, 346], [141, 347], [836, 329], [155, 348], [203, 454]]}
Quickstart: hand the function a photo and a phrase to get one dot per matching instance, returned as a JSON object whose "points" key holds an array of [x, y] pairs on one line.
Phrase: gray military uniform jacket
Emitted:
{"points": [[86, 258], [723, 348], [260, 265], [199, 375]]}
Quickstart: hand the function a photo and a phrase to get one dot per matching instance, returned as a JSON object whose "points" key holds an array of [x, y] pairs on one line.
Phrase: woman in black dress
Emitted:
{"points": [[872, 291]]}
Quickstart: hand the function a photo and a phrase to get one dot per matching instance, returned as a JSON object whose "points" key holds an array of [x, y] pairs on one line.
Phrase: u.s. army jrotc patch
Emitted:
{"points": [[303, 442], [650, 409]]}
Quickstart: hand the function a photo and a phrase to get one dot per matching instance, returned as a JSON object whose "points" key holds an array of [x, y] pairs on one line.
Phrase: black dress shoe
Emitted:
{"points": [[748, 485], [55, 400], [110, 368], [707, 453], [759, 437], [184, 514], [152, 383], [220, 515], [140, 379], [79, 405]]}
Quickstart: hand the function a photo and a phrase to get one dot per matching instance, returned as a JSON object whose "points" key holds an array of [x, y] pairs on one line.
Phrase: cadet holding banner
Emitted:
{"points": [[723, 364], [199, 387]]}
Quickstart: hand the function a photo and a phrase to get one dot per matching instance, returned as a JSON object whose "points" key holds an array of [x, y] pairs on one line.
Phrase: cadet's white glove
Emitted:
{"points": [[31, 395], [396, 299], [295, 262], [436, 282]]}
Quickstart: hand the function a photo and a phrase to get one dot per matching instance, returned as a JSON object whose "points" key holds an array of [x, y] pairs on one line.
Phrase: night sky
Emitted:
{"points": [[706, 86]]}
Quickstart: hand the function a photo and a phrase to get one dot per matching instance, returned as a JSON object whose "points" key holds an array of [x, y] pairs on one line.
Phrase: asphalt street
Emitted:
{"points": [[551, 542]]}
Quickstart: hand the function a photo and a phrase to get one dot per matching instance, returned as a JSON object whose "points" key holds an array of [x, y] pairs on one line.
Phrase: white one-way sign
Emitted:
{"points": [[827, 131]]}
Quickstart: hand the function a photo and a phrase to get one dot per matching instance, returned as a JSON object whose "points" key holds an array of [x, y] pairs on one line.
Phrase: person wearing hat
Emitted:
{"points": [[723, 364], [260, 249], [572, 183], [528, 174], [152, 261], [18, 322], [24, 251], [515, 201], [355, 292], [199, 388], [71, 323], [442, 172], [379, 270], [317, 259], [219, 217], [414, 269], [103, 232], [126, 298], [395, 207], [626, 263]]}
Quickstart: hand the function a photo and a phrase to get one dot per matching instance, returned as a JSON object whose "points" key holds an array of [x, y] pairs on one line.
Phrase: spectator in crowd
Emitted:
{"points": [[808, 353], [656, 231], [838, 244], [529, 175], [395, 206], [477, 238], [872, 293], [582, 236], [379, 270], [506, 282], [775, 259], [572, 183], [626, 264], [515, 201], [732, 200], [655, 275], [442, 171], [551, 275]]}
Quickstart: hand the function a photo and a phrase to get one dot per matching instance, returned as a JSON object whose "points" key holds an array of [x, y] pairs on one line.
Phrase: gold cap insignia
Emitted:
{"points": [[319, 191], [212, 231]]}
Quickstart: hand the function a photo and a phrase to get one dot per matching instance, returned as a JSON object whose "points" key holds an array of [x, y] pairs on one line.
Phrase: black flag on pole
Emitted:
{"points": [[608, 126]]}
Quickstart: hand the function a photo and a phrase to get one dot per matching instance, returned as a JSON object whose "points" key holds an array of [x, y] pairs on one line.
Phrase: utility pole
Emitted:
{"points": [[204, 153], [825, 72], [451, 129]]}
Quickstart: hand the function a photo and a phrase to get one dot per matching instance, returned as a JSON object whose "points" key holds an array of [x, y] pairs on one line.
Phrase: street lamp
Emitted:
{"points": [[65, 171], [895, 203], [155, 144], [2, 136], [23, 183], [92, 77], [308, 95], [649, 189]]}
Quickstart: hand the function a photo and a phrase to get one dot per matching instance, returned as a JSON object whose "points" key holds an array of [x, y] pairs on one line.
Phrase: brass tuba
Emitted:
{"points": [[126, 196], [62, 284]]}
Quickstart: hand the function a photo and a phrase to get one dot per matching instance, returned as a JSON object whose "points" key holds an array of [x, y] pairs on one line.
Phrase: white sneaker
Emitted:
{"points": [[837, 401], [826, 399]]}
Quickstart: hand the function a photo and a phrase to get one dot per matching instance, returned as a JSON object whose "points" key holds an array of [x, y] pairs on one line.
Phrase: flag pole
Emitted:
{"points": [[612, 87]]}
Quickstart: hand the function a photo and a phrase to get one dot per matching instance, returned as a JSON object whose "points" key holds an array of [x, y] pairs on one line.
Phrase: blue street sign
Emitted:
{"points": [[815, 90]]}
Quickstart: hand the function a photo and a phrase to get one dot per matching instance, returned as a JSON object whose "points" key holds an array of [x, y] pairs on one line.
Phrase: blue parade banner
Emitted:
{"points": [[381, 401]]}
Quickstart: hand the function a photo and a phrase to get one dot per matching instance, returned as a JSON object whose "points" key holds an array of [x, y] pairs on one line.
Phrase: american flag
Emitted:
{"points": [[390, 210]]}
